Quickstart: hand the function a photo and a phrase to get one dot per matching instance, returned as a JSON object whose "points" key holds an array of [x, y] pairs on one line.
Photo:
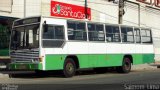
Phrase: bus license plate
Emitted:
{"points": [[22, 67]]}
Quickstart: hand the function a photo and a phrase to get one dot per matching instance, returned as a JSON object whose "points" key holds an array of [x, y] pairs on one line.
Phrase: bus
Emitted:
{"points": [[48, 43]]}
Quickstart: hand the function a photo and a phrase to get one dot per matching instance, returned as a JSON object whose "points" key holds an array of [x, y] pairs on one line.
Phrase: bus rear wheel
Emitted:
{"points": [[69, 68], [126, 66]]}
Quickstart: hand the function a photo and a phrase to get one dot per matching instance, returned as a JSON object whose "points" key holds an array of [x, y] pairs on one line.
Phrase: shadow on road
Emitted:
{"points": [[57, 74]]}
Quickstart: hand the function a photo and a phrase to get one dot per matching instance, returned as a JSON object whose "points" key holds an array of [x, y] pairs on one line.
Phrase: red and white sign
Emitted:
{"points": [[60, 9], [155, 3]]}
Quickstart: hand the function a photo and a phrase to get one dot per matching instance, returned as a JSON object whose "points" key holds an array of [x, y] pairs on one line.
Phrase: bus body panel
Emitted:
{"points": [[25, 66], [94, 58], [55, 62]]}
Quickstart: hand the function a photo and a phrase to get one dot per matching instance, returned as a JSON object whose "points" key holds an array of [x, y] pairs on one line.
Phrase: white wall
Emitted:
{"points": [[131, 14], [153, 21], [33, 8], [6, 5], [17, 8]]}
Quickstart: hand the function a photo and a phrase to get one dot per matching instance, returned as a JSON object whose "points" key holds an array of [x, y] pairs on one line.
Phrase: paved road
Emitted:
{"points": [[112, 80]]}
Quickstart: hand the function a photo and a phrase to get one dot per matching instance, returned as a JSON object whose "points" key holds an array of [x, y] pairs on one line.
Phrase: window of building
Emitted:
{"points": [[112, 33], [146, 35], [127, 34], [96, 32], [76, 31], [137, 35]]}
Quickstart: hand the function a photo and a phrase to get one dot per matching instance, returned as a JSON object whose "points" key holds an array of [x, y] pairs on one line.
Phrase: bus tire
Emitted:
{"points": [[13, 75], [126, 66], [69, 68], [158, 67]]}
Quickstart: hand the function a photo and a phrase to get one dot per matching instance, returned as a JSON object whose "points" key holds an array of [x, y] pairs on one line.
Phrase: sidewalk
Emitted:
{"points": [[2, 75], [144, 67], [157, 63]]}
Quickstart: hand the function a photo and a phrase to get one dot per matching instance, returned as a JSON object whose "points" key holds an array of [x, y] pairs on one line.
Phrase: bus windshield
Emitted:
{"points": [[25, 37]]}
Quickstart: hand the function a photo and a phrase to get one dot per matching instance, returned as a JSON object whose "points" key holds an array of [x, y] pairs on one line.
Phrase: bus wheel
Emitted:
{"points": [[69, 68], [126, 66], [13, 75]]}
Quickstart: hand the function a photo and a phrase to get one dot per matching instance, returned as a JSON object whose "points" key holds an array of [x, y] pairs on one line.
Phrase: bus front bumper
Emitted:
{"points": [[25, 66]]}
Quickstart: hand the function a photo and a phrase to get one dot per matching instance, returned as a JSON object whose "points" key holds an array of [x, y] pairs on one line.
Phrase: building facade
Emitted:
{"points": [[143, 13]]}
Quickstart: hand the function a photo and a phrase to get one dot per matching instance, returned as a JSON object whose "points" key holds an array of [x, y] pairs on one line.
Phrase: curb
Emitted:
{"points": [[4, 75]]}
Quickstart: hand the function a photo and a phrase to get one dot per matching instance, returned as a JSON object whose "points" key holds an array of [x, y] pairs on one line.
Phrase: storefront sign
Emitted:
{"points": [[60, 9], [155, 3]]}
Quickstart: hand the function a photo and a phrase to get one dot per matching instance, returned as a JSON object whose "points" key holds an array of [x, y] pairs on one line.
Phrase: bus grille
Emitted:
{"points": [[25, 56]]}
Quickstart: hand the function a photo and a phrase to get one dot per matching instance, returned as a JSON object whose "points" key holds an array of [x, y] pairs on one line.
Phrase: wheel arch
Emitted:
{"points": [[75, 59], [126, 66], [129, 56]]}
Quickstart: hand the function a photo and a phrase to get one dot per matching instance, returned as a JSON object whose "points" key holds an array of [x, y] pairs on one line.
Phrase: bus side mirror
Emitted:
{"points": [[45, 27]]}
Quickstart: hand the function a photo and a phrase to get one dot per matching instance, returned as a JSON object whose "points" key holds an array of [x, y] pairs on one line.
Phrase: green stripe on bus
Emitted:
{"points": [[26, 66], [56, 62]]}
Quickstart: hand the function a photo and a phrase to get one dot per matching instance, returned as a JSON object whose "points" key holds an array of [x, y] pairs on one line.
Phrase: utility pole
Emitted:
{"points": [[86, 13], [121, 11], [24, 8]]}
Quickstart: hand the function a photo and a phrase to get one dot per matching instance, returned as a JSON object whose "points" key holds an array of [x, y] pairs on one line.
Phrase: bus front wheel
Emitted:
{"points": [[126, 66], [69, 68]]}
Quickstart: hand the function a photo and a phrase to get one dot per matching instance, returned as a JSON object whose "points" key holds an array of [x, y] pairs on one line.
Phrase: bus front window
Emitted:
{"points": [[25, 37]]}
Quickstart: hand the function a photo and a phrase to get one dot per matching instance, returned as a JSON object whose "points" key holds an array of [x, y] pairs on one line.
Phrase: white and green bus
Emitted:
{"points": [[47, 43]]}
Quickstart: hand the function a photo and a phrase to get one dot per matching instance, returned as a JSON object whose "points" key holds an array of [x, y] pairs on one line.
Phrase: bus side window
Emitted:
{"points": [[76, 31], [146, 36], [96, 32], [127, 34], [112, 33], [81, 32], [92, 35], [100, 30], [54, 36], [137, 35]]}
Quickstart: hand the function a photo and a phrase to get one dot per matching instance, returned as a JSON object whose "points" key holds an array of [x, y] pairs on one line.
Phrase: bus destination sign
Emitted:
{"points": [[27, 21]]}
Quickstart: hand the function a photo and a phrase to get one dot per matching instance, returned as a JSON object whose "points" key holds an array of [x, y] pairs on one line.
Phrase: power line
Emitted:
{"points": [[104, 13], [97, 3]]}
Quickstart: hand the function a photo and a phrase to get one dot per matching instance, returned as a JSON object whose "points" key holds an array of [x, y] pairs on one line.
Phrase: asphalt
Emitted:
{"points": [[142, 77]]}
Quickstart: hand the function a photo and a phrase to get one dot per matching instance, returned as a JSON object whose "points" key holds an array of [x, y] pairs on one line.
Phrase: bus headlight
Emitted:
{"points": [[34, 60], [41, 58]]}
